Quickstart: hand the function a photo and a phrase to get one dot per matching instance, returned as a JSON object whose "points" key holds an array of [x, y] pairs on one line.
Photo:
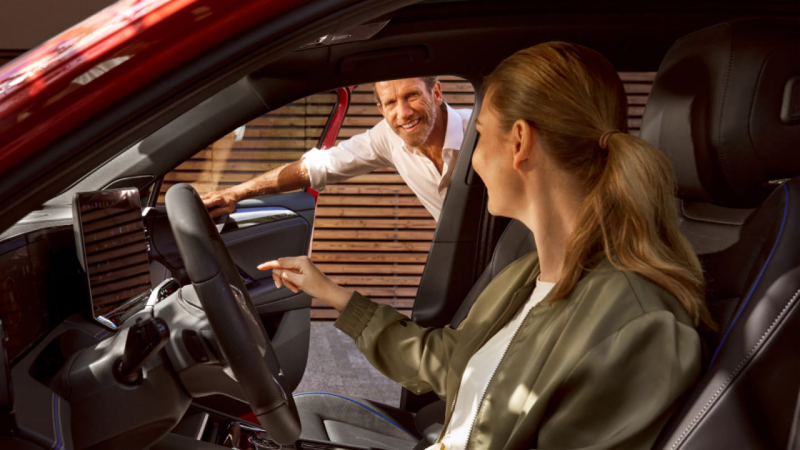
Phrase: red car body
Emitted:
{"points": [[42, 95]]}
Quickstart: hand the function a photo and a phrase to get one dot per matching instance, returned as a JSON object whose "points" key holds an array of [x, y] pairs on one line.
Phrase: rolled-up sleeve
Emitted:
{"points": [[358, 155]]}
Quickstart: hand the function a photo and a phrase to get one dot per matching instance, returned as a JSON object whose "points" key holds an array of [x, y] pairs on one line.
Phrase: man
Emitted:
{"points": [[420, 136]]}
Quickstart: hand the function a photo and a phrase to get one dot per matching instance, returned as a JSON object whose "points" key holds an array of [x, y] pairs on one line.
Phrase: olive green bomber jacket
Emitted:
{"points": [[602, 368]]}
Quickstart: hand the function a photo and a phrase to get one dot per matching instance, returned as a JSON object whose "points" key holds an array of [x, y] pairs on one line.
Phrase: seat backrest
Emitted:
{"points": [[515, 241], [725, 109]]}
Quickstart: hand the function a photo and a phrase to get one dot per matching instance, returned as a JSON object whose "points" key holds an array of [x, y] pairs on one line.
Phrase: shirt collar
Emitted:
{"points": [[454, 135]]}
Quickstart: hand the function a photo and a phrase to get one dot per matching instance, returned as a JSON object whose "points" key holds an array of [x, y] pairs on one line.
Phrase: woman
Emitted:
{"points": [[588, 342]]}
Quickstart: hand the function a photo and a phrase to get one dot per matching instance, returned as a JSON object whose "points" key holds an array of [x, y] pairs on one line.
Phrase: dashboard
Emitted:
{"points": [[38, 287], [43, 273], [48, 316]]}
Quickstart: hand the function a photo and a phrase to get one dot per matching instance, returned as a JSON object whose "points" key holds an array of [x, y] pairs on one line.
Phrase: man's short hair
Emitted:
{"points": [[430, 82]]}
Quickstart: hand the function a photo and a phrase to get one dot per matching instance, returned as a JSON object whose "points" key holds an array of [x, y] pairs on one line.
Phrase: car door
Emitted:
{"points": [[264, 228]]}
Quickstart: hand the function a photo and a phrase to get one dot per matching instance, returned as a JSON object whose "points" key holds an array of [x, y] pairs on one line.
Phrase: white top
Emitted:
{"points": [[479, 372], [382, 147]]}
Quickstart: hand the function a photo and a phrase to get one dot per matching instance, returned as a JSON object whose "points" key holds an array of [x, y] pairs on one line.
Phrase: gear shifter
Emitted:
{"points": [[145, 338]]}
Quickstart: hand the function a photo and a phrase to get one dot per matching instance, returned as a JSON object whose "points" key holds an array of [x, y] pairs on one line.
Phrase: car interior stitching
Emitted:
{"points": [[758, 278], [738, 369]]}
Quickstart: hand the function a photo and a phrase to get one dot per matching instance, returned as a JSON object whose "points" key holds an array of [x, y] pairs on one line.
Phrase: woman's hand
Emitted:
{"points": [[299, 273]]}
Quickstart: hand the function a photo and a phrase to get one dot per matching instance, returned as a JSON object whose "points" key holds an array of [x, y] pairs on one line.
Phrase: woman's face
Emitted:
{"points": [[493, 161]]}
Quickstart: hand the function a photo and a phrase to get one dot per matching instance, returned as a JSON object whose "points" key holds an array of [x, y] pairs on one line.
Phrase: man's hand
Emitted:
{"points": [[220, 202], [299, 273]]}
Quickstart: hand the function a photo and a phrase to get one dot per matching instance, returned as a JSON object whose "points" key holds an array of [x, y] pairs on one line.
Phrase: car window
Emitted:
{"points": [[372, 233], [265, 143]]}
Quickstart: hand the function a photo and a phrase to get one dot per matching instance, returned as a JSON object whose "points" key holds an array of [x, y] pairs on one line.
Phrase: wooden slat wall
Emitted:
{"points": [[371, 233], [637, 86], [267, 142]]}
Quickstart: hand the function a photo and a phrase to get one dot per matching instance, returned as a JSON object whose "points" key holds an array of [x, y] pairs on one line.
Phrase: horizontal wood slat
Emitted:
{"points": [[371, 232], [331, 211], [371, 200], [375, 235], [397, 224], [372, 269], [392, 292], [336, 189], [380, 246], [367, 257], [372, 280]]}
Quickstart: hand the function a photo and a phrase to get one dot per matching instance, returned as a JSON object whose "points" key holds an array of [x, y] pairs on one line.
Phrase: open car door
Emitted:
{"points": [[261, 229]]}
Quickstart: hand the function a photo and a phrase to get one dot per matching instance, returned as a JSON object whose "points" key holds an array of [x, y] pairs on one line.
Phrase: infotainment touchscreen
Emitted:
{"points": [[113, 252]]}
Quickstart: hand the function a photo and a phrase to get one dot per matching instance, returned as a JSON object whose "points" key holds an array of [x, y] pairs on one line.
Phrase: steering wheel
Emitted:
{"points": [[213, 273]]}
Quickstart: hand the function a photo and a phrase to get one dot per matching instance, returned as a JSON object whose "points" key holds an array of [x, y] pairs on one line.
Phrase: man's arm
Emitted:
{"points": [[285, 178], [358, 155]]}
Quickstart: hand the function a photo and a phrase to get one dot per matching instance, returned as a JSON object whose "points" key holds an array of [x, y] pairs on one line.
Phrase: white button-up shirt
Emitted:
{"points": [[382, 147]]}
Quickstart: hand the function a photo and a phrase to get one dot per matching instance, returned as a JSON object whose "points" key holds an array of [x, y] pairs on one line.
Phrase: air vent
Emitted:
{"points": [[357, 33]]}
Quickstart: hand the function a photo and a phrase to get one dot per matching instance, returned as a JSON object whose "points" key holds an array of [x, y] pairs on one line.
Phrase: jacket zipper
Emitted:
{"points": [[483, 396], [458, 388]]}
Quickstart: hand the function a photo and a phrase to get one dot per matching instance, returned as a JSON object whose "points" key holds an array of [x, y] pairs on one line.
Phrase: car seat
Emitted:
{"points": [[725, 109]]}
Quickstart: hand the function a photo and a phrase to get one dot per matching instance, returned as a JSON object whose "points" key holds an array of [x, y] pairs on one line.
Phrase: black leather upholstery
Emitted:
{"points": [[515, 241], [354, 421], [721, 109], [717, 106]]}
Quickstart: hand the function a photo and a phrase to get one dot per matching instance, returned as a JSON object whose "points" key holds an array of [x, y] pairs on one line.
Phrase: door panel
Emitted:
{"points": [[269, 228], [252, 246]]}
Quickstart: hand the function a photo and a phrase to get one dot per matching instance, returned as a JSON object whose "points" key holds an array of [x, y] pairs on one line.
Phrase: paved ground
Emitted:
{"points": [[335, 365]]}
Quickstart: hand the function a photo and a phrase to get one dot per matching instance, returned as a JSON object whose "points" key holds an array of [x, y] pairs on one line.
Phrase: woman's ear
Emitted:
{"points": [[524, 141]]}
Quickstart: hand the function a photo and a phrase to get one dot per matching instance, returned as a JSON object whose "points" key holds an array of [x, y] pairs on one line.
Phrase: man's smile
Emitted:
{"points": [[410, 125]]}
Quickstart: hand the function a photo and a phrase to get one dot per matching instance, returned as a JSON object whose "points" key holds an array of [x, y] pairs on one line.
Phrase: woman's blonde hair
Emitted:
{"points": [[572, 95]]}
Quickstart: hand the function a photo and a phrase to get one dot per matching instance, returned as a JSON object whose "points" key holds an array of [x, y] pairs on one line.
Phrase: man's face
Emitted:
{"points": [[409, 108]]}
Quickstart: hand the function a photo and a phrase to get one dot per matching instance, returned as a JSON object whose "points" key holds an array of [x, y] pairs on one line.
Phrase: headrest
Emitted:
{"points": [[725, 109]]}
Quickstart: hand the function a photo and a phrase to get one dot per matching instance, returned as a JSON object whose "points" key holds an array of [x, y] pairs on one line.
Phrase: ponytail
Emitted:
{"points": [[576, 101], [630, 215]]}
